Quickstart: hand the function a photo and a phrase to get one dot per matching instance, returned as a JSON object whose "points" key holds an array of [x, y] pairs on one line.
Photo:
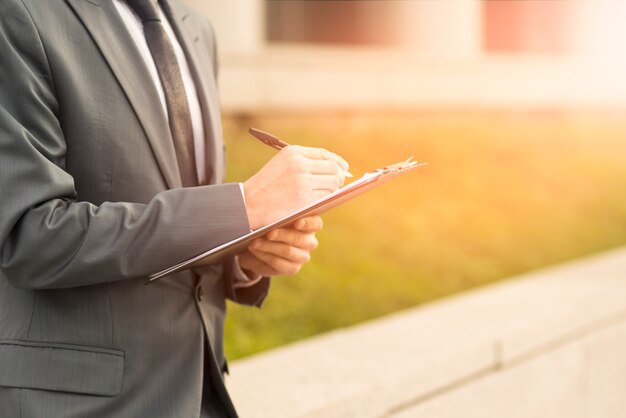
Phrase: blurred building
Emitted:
{"points": [[408, 54]]}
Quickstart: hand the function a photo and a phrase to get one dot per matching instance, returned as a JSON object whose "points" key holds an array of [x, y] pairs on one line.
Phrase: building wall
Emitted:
{"points": [[442, 59]]}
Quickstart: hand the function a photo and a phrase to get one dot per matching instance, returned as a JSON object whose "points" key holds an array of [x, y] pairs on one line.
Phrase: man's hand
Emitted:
{"points": [[282, 251], [295, 177]]}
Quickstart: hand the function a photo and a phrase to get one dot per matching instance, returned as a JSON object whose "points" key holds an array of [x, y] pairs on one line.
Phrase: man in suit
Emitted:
{"points": [[111, 168]]}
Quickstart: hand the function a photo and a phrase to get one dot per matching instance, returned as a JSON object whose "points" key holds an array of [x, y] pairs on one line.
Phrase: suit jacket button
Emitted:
{"points": [[199, 293]]}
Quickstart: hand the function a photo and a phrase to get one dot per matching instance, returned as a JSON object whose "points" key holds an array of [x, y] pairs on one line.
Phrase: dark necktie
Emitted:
{"points": [[175, 98]]}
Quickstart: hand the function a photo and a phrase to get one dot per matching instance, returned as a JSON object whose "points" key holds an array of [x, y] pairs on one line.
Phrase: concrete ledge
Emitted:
{"points": [[398, 364]]}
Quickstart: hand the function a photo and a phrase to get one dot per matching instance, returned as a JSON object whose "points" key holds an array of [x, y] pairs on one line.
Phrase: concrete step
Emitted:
{"points": [[395, 364]]}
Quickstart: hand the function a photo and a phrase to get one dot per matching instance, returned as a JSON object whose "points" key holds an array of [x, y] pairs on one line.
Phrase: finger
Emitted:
{"points": [[286, 251], [278, 264], [322, 154], [326, 167], [249, 261], [304, 240], [324, 182], [309, 224]]}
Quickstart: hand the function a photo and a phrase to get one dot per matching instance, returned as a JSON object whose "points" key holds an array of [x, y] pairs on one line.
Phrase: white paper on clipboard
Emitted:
{"points": [[367, 182]]}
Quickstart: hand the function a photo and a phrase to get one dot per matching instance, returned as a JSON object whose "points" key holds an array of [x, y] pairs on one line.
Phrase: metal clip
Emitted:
{"points": [[398, 166]]}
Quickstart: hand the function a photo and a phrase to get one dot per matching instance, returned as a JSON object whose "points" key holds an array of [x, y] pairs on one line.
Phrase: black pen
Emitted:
{"points": [[274, 142], [267, 139]]}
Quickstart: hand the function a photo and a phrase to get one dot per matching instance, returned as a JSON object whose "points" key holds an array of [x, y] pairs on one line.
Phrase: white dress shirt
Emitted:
{"points": [[135, 28]]}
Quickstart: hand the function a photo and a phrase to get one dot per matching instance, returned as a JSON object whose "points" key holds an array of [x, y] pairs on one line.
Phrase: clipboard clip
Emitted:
{"points": [[403, 165]]}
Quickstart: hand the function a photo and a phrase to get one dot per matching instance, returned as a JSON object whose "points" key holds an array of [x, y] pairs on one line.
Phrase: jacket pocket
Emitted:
{"points": [[61, 367]]}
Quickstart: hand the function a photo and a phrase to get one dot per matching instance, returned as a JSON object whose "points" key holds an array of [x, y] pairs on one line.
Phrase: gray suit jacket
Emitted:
{"points": [[90, 203]]}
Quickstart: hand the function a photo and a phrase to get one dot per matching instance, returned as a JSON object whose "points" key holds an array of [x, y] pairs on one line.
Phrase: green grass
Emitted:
{"points": [[504, 193]]}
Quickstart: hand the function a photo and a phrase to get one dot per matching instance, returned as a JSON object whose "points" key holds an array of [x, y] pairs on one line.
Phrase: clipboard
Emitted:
{"points": [[367, 182]]}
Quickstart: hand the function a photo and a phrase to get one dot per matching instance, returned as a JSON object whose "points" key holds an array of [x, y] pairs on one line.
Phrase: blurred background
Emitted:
{"points": [[518, 106]]}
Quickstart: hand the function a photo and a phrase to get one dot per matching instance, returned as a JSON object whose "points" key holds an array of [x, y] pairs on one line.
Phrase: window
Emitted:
{"points": [[334, 22], [538, 26]]}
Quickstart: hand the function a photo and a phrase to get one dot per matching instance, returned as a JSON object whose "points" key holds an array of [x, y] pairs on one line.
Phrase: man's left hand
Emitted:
{"points": [[282, 251]]}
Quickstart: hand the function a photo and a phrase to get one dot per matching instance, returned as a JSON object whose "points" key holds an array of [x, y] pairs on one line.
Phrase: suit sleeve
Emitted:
{"points": [[48, 239], [256, 294]]}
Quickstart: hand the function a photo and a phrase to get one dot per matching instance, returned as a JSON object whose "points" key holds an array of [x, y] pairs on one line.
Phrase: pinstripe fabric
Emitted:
{"points": [[90, 203]]}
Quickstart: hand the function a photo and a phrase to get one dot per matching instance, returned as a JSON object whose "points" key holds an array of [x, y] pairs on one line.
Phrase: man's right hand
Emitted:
{"points": [[295, 177]]}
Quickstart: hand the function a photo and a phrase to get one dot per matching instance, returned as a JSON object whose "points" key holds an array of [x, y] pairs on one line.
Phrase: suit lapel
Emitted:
{"points": [[118, 48], [202, 73]]}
